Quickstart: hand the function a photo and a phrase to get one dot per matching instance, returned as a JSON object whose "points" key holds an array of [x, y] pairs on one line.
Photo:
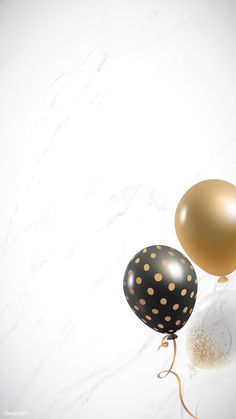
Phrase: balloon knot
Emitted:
{"points": [[222, 279], [172, 336]]}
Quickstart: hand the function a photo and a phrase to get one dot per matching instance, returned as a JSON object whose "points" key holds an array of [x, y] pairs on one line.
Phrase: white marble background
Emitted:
{"points": [[110, 110]]}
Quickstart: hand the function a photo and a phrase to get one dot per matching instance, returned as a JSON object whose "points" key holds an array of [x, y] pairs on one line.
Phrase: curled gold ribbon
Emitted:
{"points": [[164, 373]]}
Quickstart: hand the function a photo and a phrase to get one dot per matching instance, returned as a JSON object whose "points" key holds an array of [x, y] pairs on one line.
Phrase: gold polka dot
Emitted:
{"points": [[185, 309], [171, 253], [155, 311], [184, 292], [144, 320], [160, 326], [175, 307], [158, 277], [177, 322], [148, 318], [170, 331], [131, 291], [182, 260], [195, 281], [150, 291], [164, 263], [158, 247], [191, 267], [146, 267], [163, 301], [153, 255], [171, 286], [137, 260], [130, 272], [167, 318], [142, 301], [156, 329], [189, 277], [192, 294], [145, 250], [136, 308], [138, 280], [127, 298], [190, 311]]}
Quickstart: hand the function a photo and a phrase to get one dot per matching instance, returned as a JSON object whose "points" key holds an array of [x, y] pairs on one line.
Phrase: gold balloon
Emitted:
{"points": [[205, 223]]}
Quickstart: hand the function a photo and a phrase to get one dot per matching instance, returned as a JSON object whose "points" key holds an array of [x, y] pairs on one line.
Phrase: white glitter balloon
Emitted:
{"points": [[211, 334]]}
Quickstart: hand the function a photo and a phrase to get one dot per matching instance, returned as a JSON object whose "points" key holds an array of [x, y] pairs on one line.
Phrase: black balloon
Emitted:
{"points": [[160, 285]]}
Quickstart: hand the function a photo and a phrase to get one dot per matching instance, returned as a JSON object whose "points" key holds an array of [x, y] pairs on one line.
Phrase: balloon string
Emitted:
{"points": [[165, 344]]}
